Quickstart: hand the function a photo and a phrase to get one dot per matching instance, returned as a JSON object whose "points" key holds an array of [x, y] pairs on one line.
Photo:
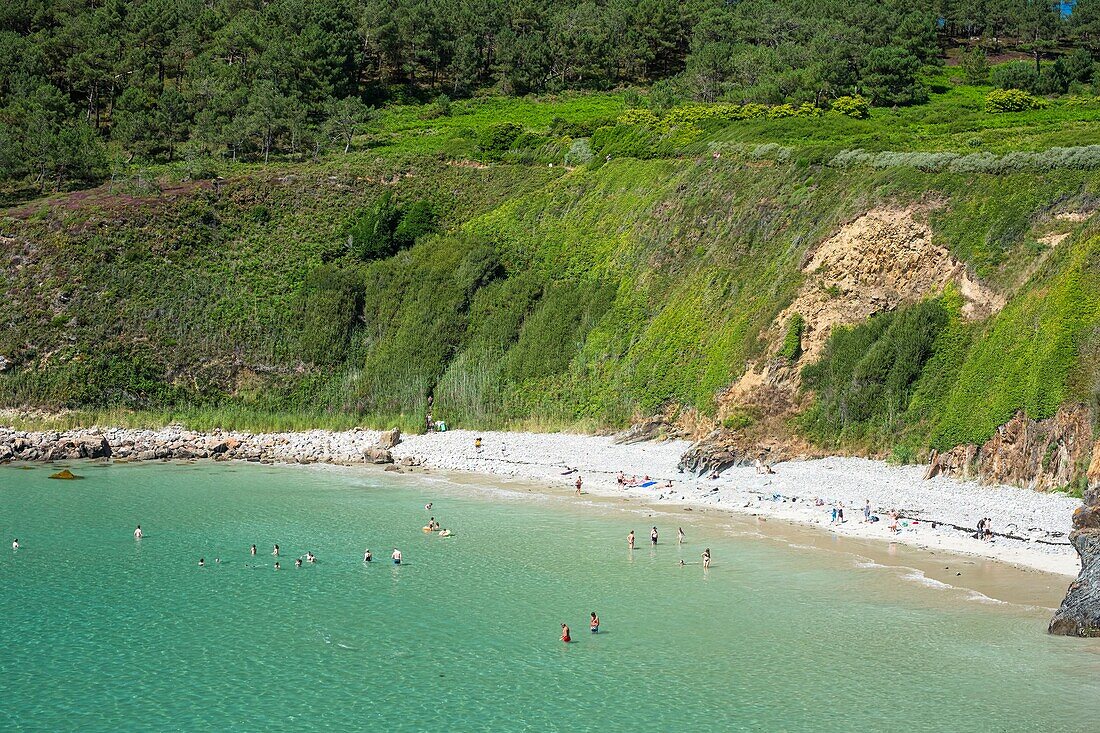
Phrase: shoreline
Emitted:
{"points": [[1031, 527]]}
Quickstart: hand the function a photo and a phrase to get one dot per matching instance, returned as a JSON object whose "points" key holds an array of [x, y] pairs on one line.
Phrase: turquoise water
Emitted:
{"points": [[102, 633]]}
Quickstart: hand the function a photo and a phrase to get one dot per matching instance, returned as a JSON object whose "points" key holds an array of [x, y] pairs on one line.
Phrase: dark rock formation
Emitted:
{"points": [[1079, 614], [721, 450]]}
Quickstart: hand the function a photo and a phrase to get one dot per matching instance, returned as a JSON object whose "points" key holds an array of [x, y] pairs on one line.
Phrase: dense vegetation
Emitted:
{"points": [[89, 89], [269, 251]]}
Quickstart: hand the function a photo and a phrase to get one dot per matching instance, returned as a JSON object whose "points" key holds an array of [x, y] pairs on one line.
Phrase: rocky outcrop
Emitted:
{"points": [[1039, 454], [722, 449], [177, 443], [1079, 614]]}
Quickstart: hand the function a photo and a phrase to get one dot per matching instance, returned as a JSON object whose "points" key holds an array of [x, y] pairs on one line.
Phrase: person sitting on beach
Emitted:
{"points": [[202, 562], [477, 444], [138, 534], [706, 558], [396, 556], [367, 557], [653, 536], [565, 634], [298, 562], [252, 551], [668, 484], [713, 476], [594, 623], [275, 551], [630, 540]]}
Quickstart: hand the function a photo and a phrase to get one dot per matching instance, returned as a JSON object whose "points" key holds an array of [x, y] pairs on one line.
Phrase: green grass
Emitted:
{"points": [[549, 297]]}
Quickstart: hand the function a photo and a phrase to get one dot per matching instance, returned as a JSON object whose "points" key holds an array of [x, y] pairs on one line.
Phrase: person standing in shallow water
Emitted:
{"points": [[252, 551], [679, 535], [565, 634], [138, 534], [653, 536], [275, 551], [396, 556], [594, 623], [706, 558], [630, 540]]}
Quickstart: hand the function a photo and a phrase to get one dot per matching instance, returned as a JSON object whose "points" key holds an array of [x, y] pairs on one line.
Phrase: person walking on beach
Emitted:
{"points": [[679, 535], [594, 623], [252, 551], [653, 536], [565, 634], [578, 485], [840, 513], [630, 540], [138, 534], [867, 510], [396, 556], [706, 559]]}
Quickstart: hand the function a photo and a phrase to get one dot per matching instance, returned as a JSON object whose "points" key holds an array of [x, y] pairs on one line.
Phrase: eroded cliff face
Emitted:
{"points": [[1079, 614], [1039, 454]]}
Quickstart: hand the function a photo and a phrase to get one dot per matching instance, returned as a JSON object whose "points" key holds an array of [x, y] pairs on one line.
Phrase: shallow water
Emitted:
{"points": [[103, 633]]}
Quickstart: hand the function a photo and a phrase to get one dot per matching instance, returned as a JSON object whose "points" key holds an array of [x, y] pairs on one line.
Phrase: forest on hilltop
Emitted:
{"points": [[89, 86]]}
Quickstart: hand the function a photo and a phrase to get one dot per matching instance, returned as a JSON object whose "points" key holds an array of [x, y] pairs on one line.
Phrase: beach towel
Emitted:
{"points": [[647, 483]]}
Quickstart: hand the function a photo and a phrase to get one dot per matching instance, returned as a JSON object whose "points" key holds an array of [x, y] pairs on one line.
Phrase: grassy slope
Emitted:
{"points": [[551, 298]]}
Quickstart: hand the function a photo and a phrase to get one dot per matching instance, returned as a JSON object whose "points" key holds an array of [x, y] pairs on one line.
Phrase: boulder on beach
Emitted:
{"points": [[389, 438], [377, 455], [65, 475]]}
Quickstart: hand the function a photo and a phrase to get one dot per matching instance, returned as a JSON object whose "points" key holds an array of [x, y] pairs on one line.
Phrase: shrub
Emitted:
{"points": [[975, 65], [855, 107], [1015, 75], [638, 117], [579, 152], [497, 139], [417, 220], [792, 341], [440, 107], [1011, 100], [385, 229]]}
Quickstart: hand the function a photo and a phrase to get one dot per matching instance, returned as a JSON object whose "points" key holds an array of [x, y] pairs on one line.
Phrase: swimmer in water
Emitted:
{"points": [[428, 507], [252, 551], [594, 623], [310, 557], [217, 561], [444, 533], [202, 562], [275, 551], [630, 540], [298, 562], [681, 563], [367, 557], [706, 558], [15, 544], [138, 534], [565, 634], [680, 535], [396, 556], [277, 566]]}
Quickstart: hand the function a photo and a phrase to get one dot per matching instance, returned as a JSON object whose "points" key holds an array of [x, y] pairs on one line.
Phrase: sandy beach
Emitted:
{"points": [[931, 512]]}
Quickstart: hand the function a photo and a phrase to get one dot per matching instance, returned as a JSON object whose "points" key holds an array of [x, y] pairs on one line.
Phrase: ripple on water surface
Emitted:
{"points": [[102, 633]]}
